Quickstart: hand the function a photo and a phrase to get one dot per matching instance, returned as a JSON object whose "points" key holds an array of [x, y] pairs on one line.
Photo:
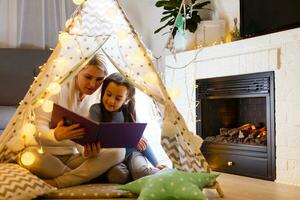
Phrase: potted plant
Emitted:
{"points": [[189, 14]]}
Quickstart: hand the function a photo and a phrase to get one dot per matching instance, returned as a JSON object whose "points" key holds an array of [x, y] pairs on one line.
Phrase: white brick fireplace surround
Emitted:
{"points": [[278, 52]]}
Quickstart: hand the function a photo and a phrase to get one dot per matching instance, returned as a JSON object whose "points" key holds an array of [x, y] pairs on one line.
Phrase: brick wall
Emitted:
{"points": [[279, 52]]}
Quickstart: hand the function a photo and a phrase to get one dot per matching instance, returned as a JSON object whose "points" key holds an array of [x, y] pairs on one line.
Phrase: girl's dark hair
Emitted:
{"points": [[129, 107]]}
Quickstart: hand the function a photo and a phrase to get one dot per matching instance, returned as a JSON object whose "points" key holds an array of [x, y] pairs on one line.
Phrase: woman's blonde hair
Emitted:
{"points": [[99, 61]]}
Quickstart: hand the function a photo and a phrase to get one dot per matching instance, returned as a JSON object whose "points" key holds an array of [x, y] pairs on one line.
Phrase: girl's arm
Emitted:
{"points": [[95, 112]]}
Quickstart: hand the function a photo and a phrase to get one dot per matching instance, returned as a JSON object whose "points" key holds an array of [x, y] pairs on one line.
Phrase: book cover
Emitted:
{"points": [[109, 134]]}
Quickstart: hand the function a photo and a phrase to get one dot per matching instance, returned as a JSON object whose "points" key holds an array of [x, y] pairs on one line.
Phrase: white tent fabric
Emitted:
{"points": [[101, 25]]}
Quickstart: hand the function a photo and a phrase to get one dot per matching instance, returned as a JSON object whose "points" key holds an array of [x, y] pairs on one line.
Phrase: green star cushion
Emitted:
{"points": [[171, 184]]}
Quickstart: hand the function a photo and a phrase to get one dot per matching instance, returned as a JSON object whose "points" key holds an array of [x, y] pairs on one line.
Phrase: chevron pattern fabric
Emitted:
{"points": [[182, 159], [19, 184]]}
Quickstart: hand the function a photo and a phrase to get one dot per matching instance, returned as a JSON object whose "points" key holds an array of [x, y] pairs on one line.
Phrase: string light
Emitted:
{"points": [[78, 2], [174, 92], [28, 129], [40, 150], [64, 38], [136, 58], [68, 22], [54, 88], [40, 102], [111, 13], [78, 50], [228, 38], [61, 63], [27, 158], [75, 30], [47, 106], [151, 78], [122, 34]]}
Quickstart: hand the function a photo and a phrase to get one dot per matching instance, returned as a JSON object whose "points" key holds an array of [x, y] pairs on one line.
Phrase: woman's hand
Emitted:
{"points": [[62, 132], [91, 149], [142, 144]]}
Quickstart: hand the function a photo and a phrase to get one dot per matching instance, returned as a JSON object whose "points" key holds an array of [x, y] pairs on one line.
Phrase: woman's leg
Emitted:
{"points": [[45, 165], [138, 165], [85, 169]]}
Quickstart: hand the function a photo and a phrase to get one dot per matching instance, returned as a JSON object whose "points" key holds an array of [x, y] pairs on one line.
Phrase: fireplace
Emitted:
{"points": [[235, 117]]}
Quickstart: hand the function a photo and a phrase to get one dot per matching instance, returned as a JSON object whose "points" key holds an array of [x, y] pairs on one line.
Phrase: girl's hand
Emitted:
{"points": [[91, 150], [160, 166], [142, 144], [62, 132]]}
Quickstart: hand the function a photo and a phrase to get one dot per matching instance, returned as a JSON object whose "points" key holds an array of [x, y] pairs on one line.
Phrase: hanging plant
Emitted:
{"points": [[188, 18]]}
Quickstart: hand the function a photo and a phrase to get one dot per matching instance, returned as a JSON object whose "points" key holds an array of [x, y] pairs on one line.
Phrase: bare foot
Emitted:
{"points": [[50, 182]]}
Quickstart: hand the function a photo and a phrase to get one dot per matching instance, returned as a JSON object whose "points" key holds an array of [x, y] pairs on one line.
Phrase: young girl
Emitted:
{"points": [[118, 105]]}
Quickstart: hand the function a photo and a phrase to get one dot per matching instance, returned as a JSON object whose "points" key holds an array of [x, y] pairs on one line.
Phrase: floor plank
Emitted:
{"points": [[244, 188]]}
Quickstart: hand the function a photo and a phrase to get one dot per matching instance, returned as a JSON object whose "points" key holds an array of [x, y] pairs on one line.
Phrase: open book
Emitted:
{"points": [[109, 134]]}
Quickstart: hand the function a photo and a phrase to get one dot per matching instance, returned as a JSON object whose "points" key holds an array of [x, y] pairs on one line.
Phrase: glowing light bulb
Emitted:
{"points": [[122, 35], [78, 2], [77, 50], [27, 158], [68, 22], [75, 30], [228, 38], [40, 102], [28, 129], [61, 63], [64, 38], [40, 150], [137, 58], [111, 13], [47, 106], [174, 92], [54, 88], [151, 78]]}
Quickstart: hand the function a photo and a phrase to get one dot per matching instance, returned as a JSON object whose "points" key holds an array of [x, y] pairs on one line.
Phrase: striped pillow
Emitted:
{"points": [[19, 184]]}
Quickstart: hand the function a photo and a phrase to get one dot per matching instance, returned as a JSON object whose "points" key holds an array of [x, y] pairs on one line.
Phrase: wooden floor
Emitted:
{"points": [[243, 188]]}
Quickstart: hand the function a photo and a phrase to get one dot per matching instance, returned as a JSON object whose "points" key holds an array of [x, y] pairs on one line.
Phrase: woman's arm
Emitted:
{"points": [[50, 136]]}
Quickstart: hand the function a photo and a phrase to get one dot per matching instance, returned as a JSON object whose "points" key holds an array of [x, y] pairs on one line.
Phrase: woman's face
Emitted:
{"points": [[89, 79], [114, 97]]}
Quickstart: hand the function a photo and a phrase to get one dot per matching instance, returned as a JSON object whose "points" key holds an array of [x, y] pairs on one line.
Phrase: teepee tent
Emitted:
{"points": [[101, 25]]}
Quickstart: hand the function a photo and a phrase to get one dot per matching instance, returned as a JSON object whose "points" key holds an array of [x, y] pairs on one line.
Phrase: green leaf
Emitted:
{"points": [[168, 11], [160, 3], [191, 26], [195, 17], [166, 17], [169, 23], [170, 8], [171, 4], [174, 31], [201, 5]]}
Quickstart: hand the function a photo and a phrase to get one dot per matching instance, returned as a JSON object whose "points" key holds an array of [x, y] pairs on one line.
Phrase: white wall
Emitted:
{"points": [[145, 18]]}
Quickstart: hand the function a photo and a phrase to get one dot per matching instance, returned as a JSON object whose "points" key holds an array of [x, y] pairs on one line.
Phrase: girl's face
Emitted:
{"points": [[89, 79], [114, 97]]}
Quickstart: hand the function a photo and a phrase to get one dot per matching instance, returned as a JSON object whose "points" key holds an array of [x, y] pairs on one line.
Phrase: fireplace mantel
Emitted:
{"points": [[278, 52]]}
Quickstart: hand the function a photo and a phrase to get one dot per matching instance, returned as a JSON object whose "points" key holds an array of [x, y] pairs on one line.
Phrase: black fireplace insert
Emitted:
{"points": [[235, 117]]}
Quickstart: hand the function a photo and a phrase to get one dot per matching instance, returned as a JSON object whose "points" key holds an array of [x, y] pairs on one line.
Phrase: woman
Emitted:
{"points": [[65, 163]]}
